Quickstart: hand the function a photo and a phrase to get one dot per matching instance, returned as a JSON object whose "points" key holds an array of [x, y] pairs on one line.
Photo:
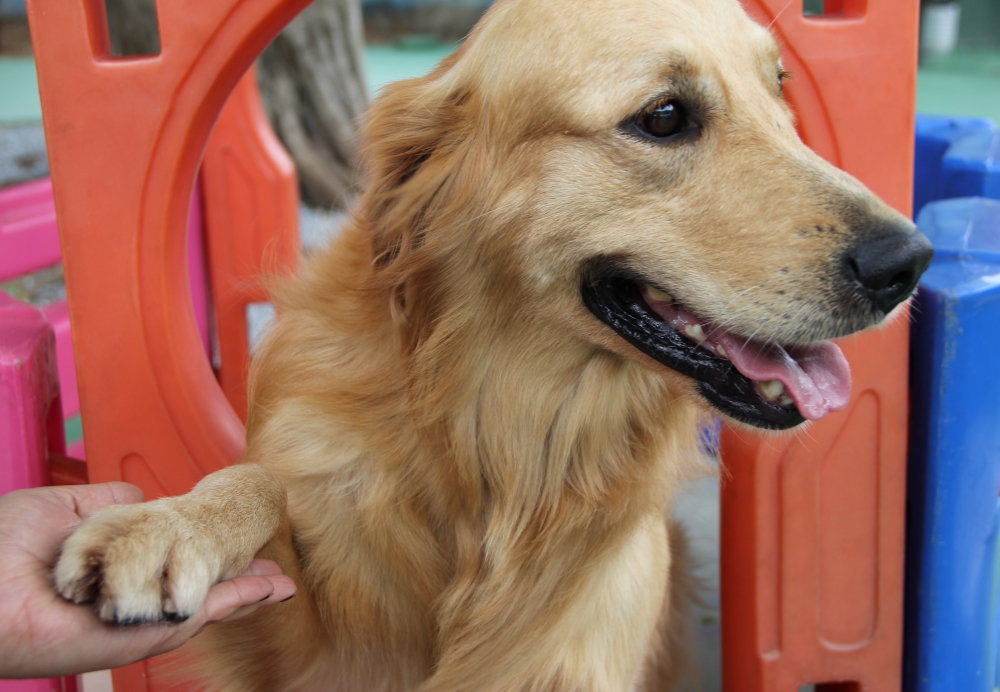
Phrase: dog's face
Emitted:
{"points": [[669, 211]]}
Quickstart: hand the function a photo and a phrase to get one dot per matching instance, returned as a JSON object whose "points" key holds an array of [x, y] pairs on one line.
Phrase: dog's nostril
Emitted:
{"points": [[855, 269], [886, 269], [901, 280]]}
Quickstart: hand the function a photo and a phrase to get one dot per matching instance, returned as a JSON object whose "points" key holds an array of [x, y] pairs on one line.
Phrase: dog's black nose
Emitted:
{"points": [[887, 268]]}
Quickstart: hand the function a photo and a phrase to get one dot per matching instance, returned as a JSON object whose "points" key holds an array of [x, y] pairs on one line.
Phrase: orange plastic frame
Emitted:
{"points": [[251, 223], [812, 547], [125, 138], [813, 525]]}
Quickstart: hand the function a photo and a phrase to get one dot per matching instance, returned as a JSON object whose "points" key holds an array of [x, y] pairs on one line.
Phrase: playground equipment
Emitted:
{"points": [[29, 241], [953, 562], [30, 421], [30, 416], [126, 263], [813, 525], [251, 219], [956, 157], [953, 572], [251, 224]]}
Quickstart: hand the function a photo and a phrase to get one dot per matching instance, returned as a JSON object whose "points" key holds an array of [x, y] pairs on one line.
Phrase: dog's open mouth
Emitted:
{"points": [[761, 384]]}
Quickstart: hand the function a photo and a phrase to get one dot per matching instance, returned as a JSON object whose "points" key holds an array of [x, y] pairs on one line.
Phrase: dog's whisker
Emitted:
{"points": [[780, 12]]}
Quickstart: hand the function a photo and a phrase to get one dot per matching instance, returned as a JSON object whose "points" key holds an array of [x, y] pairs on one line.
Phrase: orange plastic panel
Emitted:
{"points": [[125, 137], [251, 220], [813, 525]]}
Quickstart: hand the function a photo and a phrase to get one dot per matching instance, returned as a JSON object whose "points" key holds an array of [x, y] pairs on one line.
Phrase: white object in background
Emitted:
{"points": [[317, 227], [259, 318], [99, 681], [939, 28]]}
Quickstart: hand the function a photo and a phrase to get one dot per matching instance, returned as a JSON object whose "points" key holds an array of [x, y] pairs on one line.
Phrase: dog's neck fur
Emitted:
{"points": [[487, 419]]}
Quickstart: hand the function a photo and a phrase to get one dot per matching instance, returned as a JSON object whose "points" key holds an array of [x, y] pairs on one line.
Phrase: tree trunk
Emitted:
{"points": [[313, 81], [312, 78]]}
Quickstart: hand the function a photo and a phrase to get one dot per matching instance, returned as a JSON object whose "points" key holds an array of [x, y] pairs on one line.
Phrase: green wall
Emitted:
{"points": [[980, 24]]}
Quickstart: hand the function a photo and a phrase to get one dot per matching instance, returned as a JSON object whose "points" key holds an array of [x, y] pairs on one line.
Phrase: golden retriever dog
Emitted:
{"points": [[589, 226]]}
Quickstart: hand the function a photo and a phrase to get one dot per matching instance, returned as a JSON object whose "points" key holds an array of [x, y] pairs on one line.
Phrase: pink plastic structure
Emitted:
{"points": [[29, 241], [49, 685], [31, 423], [57, 315]]}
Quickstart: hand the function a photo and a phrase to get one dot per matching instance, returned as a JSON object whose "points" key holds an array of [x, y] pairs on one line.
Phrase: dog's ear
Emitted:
{"points": [[413, 143], [421, 173]]}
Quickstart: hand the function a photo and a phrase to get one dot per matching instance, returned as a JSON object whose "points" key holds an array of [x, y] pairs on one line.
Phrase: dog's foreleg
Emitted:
{"points": [[157, 560]]}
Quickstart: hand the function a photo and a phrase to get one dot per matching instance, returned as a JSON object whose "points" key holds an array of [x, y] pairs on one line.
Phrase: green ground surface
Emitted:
{"points": [[391, 63], [74, 430], [18, 92], [19, 87], [966, 83]]}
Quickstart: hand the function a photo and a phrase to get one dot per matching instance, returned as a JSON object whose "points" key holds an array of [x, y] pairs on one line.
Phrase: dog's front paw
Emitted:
{"points": [[139, 563]]}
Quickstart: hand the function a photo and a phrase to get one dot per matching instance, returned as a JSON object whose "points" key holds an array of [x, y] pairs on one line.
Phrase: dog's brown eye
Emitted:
{"points": [[663, 120], [782, 76]]}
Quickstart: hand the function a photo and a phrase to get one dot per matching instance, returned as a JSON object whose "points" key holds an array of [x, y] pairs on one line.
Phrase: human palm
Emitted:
{"points": [[42, 635]]}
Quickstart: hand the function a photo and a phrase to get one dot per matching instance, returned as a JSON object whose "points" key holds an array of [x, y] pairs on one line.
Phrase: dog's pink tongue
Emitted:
{"points": [[817, 377]]}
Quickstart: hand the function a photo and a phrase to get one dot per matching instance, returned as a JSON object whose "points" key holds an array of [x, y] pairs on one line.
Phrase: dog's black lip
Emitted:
{"points": [[617, 301]]}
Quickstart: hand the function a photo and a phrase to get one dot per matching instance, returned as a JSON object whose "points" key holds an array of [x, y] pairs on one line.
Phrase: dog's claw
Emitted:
{"points": [[175, 618], [83, 591], [133, 622]]}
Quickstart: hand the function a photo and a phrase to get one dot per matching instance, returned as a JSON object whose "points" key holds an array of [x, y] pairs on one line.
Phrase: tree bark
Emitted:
{"points": [[312, 78], [313, 81]]}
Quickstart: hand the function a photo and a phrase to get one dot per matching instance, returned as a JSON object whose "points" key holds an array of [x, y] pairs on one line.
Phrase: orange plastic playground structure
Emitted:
{"points": [[125, 137], [251, 224], [812, 525]]}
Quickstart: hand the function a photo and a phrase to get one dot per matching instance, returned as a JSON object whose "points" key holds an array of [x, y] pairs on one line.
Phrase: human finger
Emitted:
{"points": [[225, 598], [284, 589], [262, 568]]}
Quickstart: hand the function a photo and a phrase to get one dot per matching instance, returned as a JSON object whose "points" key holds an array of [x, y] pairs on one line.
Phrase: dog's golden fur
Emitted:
{"points": [[477, 470]]}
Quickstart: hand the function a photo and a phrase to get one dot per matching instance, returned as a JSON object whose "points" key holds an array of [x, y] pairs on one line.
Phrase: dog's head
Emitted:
{"points": [[629, 174]]}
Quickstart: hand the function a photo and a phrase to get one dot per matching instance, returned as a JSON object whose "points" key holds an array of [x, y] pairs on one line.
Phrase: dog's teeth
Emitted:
{"points": [[657, 294], [695, 332], [772, 389], [785, 400], [721, 351]]}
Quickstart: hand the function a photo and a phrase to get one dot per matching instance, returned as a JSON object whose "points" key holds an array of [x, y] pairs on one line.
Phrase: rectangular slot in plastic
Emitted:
{"points": [[133, 27], [812, 8], [833, 9]]}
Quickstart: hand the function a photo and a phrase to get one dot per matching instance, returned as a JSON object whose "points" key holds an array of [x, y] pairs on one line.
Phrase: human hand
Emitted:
{"points": [[42, 635]]}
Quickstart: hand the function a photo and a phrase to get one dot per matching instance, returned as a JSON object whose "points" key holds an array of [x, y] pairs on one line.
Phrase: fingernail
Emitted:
{"points": [[288, 599], [266, 597]]}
